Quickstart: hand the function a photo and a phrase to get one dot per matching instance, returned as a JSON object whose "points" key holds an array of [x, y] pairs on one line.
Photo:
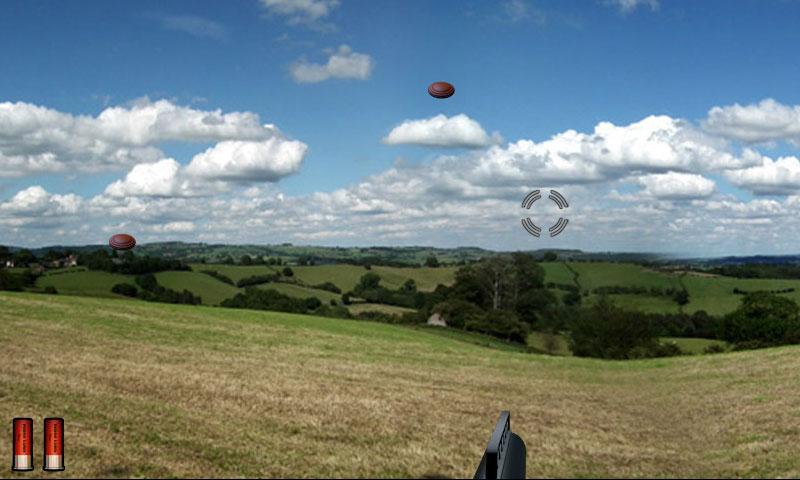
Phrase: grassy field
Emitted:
{"points": [[601, 274], [166, 390], [557, 272], [90, 283], [715, 294], [343, 276], [643, 303], [377, 307], [211, 290], [691, 346], [297, 291]]}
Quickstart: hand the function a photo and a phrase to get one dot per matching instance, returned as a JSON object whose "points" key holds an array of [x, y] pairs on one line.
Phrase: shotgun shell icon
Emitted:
{"points": [[53, 444], [23, 445]]}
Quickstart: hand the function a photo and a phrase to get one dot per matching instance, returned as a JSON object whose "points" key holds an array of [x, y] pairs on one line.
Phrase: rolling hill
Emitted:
{"points": [[164, 390]]}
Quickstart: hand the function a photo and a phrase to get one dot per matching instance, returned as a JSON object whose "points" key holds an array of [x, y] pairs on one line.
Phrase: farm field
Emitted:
{"points": [[691, 346], [211, 290], [84, 282], [357, 308], [298, 291], [159, 390]]}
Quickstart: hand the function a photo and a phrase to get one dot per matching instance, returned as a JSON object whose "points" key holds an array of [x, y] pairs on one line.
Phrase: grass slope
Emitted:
{"points": [[211, 290], [165, 390], [89, 283]]}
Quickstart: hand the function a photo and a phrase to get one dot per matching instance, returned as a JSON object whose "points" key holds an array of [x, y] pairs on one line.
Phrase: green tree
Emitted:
{"points": [[24, 258], [288, 272], [5, 254], [410, 286], [762, 319], [681, 297], [606, 331], [550, 257], [432, 261], [245, 260], [368, 281]]}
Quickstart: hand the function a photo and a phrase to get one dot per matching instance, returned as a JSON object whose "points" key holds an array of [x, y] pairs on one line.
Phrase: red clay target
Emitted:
{"points": [[122, 241], [441, 90]]}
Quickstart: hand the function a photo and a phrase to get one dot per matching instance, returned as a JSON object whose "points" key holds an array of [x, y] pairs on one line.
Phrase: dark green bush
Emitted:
{"points": [[714, 348], [762, 319], [125, 289]]}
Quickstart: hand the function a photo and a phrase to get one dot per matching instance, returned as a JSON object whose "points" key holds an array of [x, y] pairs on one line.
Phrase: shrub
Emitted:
{"points": [[288, 272], [762, 319], [457, 313], [51, 290], [500, 324], [258, 280], [328, 286], [714, 348], [125, 289], [218, 276], [606, 331]]}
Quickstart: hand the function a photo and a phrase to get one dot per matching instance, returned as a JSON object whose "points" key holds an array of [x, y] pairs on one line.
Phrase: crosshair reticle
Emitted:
{"points": [[534, 229]]}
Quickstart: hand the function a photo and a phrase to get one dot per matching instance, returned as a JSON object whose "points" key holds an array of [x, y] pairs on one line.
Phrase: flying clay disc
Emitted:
{"points": [[441, 90], [122, 241]]}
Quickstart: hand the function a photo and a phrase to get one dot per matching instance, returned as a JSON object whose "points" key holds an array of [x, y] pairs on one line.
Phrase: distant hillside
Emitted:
{"points": [[411, 256]]}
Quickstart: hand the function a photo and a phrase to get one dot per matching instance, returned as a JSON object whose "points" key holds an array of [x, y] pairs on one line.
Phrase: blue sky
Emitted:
{"points": [[524, 71]]}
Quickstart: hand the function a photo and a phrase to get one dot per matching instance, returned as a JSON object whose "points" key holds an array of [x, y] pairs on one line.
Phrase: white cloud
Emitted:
{"points": [[194, 25], [35, 139], [763, 122], [159, 179], [342, 64], [36, 208], [674, 185], [654, 144], [172, 227], [471, 198], [779, 176], [266, 161], [301, 11], [458, 131], [627, 6]]}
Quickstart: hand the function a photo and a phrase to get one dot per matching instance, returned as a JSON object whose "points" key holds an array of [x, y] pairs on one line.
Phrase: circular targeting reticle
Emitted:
{"points": [[122, 241], [534, 229], [441, 90]]}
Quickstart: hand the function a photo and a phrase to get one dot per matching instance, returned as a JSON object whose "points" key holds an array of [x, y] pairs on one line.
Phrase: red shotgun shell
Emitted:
{"points": [[53, 444], [23, 445]]}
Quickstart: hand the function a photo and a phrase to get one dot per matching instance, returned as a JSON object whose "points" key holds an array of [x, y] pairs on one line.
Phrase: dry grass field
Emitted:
{"points": [[170, 391]]}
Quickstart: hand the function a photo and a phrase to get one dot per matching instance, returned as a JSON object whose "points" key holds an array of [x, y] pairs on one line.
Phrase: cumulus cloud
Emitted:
{"points": [[301, 11], [458, 131], [779, 176], [344, 63], [35, 139], [470, 198], [765, 121], [674, 185], [654, 144], [158, 179], [627, 6], [265, 161]]}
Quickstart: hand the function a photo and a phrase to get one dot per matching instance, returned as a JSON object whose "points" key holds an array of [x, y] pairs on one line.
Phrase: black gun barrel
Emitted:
{"points": [[505, 455]]}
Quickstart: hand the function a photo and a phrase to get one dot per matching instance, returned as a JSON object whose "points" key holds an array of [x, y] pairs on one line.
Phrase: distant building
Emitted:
{"points": [[9, 263], [437, 320], [66, 262]]}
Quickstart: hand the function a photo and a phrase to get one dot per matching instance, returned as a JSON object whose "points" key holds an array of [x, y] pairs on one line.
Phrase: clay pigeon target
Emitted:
{"points": [[122, 241], [441, 90]]}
